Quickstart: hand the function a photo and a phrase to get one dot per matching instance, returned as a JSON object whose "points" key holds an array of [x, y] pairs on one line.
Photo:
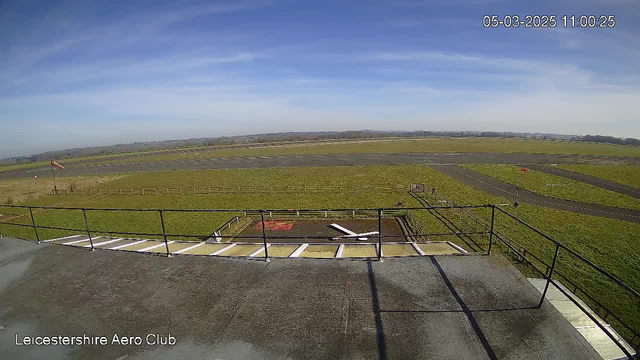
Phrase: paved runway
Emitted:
{"points": [[249, 162], [496, 187]]}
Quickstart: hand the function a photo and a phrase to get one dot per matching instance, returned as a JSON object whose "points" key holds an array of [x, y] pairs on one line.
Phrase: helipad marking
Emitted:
{"points": [[62, 238], [75, 242], [258, 251], [416, 248], [223, 249], [340, 250], [125, 245], [104, 242], [299, 250], [155, 246], [189, 248]]}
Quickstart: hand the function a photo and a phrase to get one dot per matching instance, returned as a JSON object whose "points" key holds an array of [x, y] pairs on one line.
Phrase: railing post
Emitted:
{"points": [[33, 222], [264, 237], [379, 234], [493, 215], [553, 265], [86, 224], [164, 233]]}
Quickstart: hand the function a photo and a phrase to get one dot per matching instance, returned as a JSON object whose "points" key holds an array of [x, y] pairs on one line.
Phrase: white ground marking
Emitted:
{"points": [[104, 242], [155, 246], [258, 251], [340, 250], [125, 245], [75, 241], [62, 238], [223, 249], [349, 232], [299, 250], [457, 247], [417, 248], [189, 248]]}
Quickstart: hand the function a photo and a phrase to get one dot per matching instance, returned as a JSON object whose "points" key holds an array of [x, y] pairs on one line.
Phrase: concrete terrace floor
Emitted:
{"points": [[442, 307]]}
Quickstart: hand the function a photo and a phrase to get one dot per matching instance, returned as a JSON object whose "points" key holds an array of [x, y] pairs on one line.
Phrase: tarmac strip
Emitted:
{"points": [[498, 188], [319, 160], [591, 180]]}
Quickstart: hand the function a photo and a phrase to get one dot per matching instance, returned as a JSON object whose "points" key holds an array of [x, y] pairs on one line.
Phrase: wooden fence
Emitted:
{"points": [[241, 189]]}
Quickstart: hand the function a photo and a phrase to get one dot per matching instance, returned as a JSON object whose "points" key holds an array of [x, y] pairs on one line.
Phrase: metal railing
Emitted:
{"points": [[550, 271], [379, 213]]}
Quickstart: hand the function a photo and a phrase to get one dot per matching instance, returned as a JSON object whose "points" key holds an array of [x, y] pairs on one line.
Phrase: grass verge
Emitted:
{"points": [[555, 186], [623, 174]]}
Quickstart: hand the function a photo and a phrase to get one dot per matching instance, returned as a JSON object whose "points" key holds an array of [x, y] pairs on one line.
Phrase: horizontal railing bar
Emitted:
{"points": [[250, 210]]}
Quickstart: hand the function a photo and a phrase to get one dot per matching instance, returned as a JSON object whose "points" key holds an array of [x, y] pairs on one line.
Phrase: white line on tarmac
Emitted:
{"points": [[299, 250], [189, 248], [125, 245], [155, 246], [62, 238], [417, 248], [104, 242], [258, 251], [223, 249], [75, 242], [340, 250]]}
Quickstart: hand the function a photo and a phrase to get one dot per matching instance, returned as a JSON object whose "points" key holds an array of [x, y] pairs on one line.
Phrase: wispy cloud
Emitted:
{"points": [[182, 69]]}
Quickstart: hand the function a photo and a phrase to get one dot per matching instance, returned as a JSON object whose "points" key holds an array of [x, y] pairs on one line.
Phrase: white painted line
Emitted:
{"points": [[457, 247], [417, 248], [349, 232], [223, 249], [340, 250], [62, 238], [299, 250], [75, 242], [189, 248], [104, 242], [125, 245], [258, 251], [155, 246]]}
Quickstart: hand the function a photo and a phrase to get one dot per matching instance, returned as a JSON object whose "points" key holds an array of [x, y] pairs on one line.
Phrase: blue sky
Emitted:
{"points": [[82, 73]]}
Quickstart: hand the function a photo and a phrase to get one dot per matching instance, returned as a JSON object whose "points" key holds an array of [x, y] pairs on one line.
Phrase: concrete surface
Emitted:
{"points": [[449, 307], [508, 191], [600, 341], [249, 162]]}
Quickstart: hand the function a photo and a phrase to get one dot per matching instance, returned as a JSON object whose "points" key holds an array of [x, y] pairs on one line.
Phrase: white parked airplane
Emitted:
{"points": [[351, 234]]}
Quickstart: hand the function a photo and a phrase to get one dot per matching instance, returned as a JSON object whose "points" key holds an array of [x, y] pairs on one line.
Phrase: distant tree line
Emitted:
{"points": [[300, 136], [611, 140]]}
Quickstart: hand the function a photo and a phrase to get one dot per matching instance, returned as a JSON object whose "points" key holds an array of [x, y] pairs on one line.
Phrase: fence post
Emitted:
{"points": [[264, 237], [553, 265], [86, 224], [33, 221], [164, 233], [379, 234], [493, 215]]}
